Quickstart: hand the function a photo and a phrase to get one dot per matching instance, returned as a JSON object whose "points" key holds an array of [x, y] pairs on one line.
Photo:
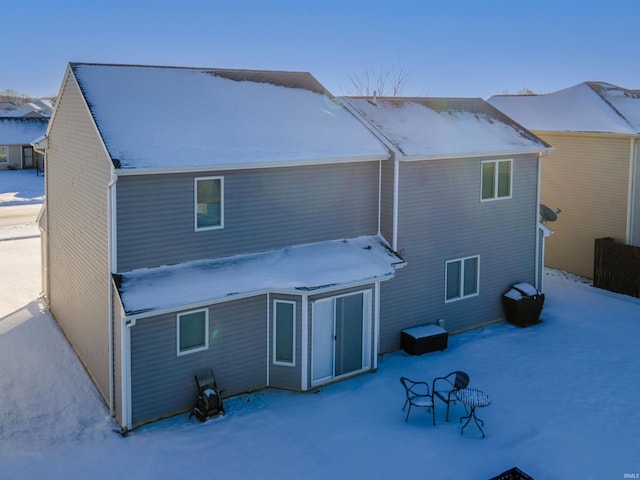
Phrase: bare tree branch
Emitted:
{"points": [[368, 82]]}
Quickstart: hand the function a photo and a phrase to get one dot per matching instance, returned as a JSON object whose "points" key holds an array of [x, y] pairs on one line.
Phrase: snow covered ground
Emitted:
{"points": [[564, 404]]}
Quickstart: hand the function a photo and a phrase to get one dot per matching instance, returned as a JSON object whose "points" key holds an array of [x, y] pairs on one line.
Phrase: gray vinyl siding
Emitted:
{"points": [[162, 382], [78, 173], [442, 218], [263, 209], [281, 376]]}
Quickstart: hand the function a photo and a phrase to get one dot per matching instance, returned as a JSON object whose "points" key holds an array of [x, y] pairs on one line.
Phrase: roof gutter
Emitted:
{"points": [[543, 152], [123, 171], [41, 144]]}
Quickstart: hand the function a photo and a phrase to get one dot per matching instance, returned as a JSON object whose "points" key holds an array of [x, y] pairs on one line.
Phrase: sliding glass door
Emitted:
{"points": [[341, 336]]}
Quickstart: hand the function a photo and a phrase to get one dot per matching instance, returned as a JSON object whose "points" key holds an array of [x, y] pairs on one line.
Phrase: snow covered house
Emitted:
{"points": [[593, 174], [254, 228], [16, 135], [238, 232], [459, 203]]}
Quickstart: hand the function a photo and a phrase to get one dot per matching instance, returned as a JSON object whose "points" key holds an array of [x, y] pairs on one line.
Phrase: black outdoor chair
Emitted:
{"points": [[418, 395], [445, 388]]}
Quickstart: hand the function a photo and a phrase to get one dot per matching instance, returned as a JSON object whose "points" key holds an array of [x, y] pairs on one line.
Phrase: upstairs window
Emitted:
{"points": [[462, 278], [4, 155], [209, 203], [496, 179]]}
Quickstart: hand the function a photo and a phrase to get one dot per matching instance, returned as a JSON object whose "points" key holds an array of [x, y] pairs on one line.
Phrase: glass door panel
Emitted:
{"points": [[322, 331], [349, 316]]}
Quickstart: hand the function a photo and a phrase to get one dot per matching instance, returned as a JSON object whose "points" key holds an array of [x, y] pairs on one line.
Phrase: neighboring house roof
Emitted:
{"points": [[445, 127], [25, 113], [596, 107], [173, 117], [8, 106], [300, 268], [43, 104], [21, 131]]}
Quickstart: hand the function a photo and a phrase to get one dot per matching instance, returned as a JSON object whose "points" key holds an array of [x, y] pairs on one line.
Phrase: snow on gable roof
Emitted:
{"points": [[296, 269], [445, 127], [21, 131], [173, 117], [625, 102], [587, 107]]}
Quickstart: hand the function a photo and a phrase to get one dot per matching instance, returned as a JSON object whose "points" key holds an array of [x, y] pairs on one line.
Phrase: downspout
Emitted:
{"points": [[395, 155], [396, 188], [379, 197], [125, 326], [269, 356], [631, 195], [41, 146], [304, 334], [111, 198], [376, 323], [539, 261]]}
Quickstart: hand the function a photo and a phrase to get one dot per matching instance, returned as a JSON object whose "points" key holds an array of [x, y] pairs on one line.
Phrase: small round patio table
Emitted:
{"points": [[473, 398]]}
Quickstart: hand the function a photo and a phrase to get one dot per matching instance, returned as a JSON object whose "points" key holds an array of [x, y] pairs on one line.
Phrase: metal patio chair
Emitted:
{"points": [[445, 388], [418, 395]]}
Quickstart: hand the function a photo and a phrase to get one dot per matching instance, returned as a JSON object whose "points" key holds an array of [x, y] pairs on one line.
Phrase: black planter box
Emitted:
{"points": [[522, 309], [424, 339]]}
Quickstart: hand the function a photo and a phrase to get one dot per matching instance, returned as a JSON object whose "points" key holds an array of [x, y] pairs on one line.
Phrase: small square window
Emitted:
{"points": [[209, 203], [284, 332], [462, 278], [4, 155], [496, 179], [193, 331]]}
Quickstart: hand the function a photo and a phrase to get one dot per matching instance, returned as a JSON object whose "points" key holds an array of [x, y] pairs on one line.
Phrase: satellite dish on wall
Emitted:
{"points": [[548, 215]]}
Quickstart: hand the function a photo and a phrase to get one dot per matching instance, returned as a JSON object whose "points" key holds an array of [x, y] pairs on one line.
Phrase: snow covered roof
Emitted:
{"points": [[295, 269], [21, 131], [587, 107], [25, 113], [174, 117], [445, 127]]}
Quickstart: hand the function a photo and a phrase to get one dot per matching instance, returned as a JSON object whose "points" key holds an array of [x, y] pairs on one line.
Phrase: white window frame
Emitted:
{"points": [[6, 155], [275, 333], [461, 285], [496, 179], [206, 332], [195, 204]]}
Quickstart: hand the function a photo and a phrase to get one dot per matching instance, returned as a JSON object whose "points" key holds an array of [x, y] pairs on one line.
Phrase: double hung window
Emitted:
{"points": [[193, 331], [4, 155], [496, 179], [462, 278], [209, 203]]}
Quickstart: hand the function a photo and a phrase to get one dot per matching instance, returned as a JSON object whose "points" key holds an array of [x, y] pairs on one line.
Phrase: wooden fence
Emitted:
{"points": [[617, 267]]}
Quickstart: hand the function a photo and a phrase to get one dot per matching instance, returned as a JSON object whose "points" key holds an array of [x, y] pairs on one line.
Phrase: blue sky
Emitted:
{"points": [[446, 48]]}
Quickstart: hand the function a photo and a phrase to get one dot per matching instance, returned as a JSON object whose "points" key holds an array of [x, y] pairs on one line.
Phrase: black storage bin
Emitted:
{"points": [[424, 339], [523, 304]]}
